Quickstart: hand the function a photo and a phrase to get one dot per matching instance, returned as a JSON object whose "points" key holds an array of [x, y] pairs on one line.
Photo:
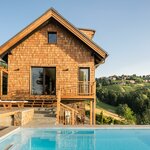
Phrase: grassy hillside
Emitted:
{"points": [[108, 110], [130, 94], [101, 105]]}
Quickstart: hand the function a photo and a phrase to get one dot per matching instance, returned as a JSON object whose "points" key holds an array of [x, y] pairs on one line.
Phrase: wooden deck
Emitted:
{"points": [[81, 91]]}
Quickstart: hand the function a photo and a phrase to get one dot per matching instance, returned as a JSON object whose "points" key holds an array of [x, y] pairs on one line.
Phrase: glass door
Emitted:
{"points": [[43, 81]]}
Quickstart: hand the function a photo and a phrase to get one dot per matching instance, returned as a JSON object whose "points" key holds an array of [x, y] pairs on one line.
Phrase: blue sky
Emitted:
{"points": [[122, 28]]}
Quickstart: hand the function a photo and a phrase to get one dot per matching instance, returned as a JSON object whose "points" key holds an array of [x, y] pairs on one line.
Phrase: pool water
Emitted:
{"points": [[78, 139]]}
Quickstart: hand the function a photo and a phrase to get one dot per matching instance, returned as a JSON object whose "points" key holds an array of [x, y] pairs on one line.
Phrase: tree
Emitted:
{"points": [[126, 112]]}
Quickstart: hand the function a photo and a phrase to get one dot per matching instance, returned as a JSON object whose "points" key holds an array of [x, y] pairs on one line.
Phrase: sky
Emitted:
{"points": [[122, 28]]}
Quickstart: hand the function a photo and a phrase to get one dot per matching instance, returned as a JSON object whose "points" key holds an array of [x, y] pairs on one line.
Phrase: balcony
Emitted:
{"points": [[81, 89]]}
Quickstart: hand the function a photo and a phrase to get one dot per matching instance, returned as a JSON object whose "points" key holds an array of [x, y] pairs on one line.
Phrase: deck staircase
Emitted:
{"points": [[54, 106], [45, 117], [75, 116]]}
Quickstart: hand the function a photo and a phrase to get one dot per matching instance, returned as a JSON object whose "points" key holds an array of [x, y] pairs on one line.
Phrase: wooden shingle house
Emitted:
{"points": [[51, 62]]}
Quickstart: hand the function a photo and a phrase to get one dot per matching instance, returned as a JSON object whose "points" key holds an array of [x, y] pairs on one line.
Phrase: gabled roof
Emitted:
{"points": [[52, 13]]}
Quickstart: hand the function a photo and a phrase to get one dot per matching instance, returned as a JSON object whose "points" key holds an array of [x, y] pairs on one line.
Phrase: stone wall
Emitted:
{"points": [[7, 121], [17, 118], [27, 116]]}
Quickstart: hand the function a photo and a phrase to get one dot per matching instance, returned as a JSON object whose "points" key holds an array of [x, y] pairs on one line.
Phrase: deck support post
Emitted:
{"points": [[94, 112], [58, 107], [91, 112], [94, 105]]}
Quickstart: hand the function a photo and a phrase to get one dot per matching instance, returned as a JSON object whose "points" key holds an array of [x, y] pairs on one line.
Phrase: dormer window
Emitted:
{"points": [[52, 37]]}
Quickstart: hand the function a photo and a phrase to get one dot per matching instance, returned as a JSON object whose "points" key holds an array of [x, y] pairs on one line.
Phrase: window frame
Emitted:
{"points": [[84, 68], [52, 32]]}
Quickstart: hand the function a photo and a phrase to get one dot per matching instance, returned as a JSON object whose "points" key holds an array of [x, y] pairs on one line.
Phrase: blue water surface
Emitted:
{"points": [[78, 139]]}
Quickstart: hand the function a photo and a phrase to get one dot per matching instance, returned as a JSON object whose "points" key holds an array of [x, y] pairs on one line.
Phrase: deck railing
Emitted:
{"points": [[65, 114], [81, 88]]}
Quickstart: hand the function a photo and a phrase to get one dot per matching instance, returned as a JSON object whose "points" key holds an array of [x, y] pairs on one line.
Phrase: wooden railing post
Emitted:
{"points": [[94, 108], [58, 107], [91, 113], [72, 117]]}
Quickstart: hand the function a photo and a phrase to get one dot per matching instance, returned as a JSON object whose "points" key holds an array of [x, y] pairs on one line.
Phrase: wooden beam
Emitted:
{"points": [[58, 107], [94, 112], [91, 112], [94, 105], [76, 97]]}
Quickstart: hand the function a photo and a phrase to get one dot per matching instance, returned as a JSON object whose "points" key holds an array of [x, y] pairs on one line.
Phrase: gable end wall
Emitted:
{"points": [[69, 53]]}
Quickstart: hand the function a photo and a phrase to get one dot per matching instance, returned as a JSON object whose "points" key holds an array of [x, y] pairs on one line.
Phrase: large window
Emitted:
{"points": [[43, 81], [84, 78]]}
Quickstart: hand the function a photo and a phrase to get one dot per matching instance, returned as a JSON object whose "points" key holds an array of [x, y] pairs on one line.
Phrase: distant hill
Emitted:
{"points": [[124, 83], [132, 90]]}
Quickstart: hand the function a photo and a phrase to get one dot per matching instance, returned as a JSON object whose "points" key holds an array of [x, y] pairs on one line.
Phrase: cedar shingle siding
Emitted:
{"points": [[68, 53]]}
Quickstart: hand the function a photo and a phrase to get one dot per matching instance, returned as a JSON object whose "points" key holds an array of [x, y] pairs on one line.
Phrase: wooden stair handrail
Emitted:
{"points": [[67, 107]]}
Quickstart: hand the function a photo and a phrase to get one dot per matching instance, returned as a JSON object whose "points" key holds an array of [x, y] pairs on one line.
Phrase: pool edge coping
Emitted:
{"points": [[2, 138], [102, 127]]}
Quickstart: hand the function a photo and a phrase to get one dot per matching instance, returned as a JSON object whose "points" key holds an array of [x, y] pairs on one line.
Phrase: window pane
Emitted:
{"points": [[84, 74], [50, 80], [83, 81], [37, 81], [43, 81], [52, 37]]}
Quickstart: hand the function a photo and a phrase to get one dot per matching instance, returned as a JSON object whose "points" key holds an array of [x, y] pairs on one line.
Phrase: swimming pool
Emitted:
{"points": [[78, 139]]}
